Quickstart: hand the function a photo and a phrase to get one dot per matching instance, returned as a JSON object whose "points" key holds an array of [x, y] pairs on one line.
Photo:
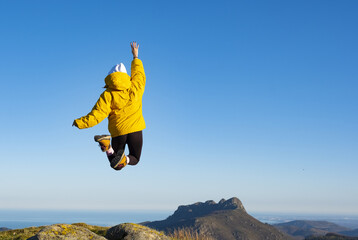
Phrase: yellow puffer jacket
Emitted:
{"points": [[121, 102]]}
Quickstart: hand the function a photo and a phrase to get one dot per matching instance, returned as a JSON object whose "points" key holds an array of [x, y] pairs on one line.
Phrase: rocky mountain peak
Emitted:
{"points": [[232, 203], [200, 209], [226, 220]]}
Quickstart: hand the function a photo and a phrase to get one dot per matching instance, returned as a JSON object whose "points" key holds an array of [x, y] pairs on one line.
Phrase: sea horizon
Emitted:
{"points": [[17, 219], [23, 218]]}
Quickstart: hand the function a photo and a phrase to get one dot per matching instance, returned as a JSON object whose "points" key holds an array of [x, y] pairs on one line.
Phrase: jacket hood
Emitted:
{"points": [[118, 81]]}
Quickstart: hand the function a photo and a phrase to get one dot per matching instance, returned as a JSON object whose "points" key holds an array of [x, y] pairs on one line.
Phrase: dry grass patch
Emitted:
{"points": [[188, 234]]}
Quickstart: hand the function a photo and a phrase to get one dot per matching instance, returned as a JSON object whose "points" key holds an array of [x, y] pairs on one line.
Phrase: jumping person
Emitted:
{"points": [[121, 102]]}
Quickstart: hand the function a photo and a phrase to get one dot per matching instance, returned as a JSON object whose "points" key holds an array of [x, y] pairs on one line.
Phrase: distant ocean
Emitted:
{"points": [[15, 219]]}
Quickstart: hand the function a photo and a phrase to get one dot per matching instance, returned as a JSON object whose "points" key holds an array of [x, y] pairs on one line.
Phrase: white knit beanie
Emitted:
{"points": [[118, 68]]}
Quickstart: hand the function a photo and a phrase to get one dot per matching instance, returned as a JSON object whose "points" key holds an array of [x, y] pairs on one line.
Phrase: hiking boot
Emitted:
{"points": [[104, 141], [119, 161]]}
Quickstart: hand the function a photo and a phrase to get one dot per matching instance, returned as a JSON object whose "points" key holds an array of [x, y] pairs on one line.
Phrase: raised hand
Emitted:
{"points": [[135, 48]]}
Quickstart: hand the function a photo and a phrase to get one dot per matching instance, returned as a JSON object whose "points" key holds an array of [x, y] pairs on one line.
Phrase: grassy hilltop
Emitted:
{"points": [[26, 233]]}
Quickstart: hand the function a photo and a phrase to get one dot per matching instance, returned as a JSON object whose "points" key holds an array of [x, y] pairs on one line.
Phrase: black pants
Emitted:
{"points": [[134, 142]]}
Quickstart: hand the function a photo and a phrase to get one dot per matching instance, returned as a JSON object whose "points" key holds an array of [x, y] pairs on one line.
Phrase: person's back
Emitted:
{"points": [[126, 109], [121, 102]]}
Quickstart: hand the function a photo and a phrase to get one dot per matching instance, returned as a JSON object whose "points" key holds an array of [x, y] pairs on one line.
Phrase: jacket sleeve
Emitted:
{"points": [[138, 76], [99, 112]]}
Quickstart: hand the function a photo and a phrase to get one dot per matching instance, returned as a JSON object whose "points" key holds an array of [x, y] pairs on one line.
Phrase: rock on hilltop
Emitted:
{"points": [[131, 231], [65, 231]]}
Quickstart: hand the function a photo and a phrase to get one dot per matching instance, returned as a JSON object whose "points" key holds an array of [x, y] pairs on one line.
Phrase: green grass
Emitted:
{"points": [[19, 234]]}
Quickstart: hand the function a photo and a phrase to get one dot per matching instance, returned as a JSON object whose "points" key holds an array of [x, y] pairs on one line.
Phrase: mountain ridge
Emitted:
{"points": [[225, 220], [301, 229]]}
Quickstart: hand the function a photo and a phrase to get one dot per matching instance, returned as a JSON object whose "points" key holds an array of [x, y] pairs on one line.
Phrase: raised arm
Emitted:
{"points": [[137, 70]]}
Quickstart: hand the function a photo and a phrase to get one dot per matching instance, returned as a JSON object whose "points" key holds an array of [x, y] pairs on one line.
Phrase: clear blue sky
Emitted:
{"points": [[253, 99]]}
